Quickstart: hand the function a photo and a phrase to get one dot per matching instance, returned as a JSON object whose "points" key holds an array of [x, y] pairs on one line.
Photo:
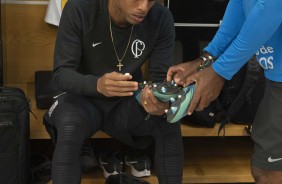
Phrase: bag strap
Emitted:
{"points": [[250, 81]]}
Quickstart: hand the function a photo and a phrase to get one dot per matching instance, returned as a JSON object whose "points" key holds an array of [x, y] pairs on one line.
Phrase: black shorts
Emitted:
{"points": [[267, 129]]}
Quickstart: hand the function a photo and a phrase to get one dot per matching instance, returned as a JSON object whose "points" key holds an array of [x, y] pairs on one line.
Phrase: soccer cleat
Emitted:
{"points": [[139, 165], [111, 163], [163, 91], [179, 106]]}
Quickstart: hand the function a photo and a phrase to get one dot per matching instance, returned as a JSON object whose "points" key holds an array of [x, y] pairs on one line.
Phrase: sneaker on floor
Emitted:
{"points": [[40, 168], [139, 164], [124, 178], [111, 163], [88, 158]]}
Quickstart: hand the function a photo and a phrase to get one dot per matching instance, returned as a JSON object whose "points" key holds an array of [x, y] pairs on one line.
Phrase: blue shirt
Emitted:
{"points": [[249, 27]]}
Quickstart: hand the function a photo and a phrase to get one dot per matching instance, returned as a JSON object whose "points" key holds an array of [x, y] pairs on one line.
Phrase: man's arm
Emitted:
{"points": [[68, 53], [261, 23], [259, 26], [232, 23]]}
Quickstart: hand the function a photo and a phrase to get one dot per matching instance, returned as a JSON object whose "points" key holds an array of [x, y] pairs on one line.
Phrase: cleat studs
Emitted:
{"points": [[163, 90], [173, 109]]}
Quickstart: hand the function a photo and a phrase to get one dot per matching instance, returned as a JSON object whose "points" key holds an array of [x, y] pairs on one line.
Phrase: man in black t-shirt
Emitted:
{"points": [[100, 48]]}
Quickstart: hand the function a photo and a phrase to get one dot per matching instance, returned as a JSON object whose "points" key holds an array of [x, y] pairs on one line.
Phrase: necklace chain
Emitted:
{"points": [[119, 59]]}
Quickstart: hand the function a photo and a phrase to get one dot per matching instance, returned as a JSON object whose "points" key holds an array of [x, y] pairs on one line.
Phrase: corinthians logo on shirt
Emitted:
{"points": [[137, 48]]}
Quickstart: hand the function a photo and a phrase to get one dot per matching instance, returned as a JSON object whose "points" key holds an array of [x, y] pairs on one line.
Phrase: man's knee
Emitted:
{"points": [[74, 127], [266, 176], [260, 176], [68, 125]]}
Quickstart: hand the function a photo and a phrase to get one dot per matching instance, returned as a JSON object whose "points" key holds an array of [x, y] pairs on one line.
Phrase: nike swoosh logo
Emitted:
{"points": [[274, 159], [95, 44]]}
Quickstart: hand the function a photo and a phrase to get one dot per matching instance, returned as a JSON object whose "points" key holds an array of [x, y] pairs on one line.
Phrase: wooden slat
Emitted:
{"points": [[217, 160], [231, 129]]}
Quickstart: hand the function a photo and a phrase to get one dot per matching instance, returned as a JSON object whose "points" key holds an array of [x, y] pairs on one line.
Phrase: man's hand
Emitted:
{"points": [[180, 72], [208, 86], [116, 84], [151, 104]]}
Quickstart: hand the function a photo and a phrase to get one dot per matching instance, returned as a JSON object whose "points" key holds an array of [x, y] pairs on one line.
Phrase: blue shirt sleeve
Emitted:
{"points": [[243, 33]]}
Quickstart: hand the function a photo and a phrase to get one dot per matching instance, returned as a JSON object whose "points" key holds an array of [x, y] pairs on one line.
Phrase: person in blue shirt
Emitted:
{"points": [[249, 27]]}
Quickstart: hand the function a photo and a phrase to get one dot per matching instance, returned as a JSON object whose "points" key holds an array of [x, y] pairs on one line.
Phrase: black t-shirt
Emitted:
{"points": [[84, 50]]}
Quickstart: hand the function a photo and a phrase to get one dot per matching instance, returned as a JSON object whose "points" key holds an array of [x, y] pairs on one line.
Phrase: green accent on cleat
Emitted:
{"points": [[179, 108]]}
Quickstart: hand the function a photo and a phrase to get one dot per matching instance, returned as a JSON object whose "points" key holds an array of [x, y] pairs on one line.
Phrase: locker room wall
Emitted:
{"points": [[28, 41]]}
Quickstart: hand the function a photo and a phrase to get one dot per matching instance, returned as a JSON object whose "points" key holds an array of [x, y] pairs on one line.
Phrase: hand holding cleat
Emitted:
{"points": [[179, 97]]}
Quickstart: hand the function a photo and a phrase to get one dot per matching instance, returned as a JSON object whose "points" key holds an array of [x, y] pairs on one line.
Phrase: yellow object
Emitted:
{"points": [[63, 3]]}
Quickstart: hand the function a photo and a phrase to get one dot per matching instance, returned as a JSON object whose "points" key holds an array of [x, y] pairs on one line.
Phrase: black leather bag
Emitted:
{"points": [[14, 136], [207, 117]]}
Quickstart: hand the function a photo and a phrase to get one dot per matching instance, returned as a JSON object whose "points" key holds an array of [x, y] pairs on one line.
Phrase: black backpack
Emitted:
{"points": [[238, 100], [241, 95], [14, 136]]}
